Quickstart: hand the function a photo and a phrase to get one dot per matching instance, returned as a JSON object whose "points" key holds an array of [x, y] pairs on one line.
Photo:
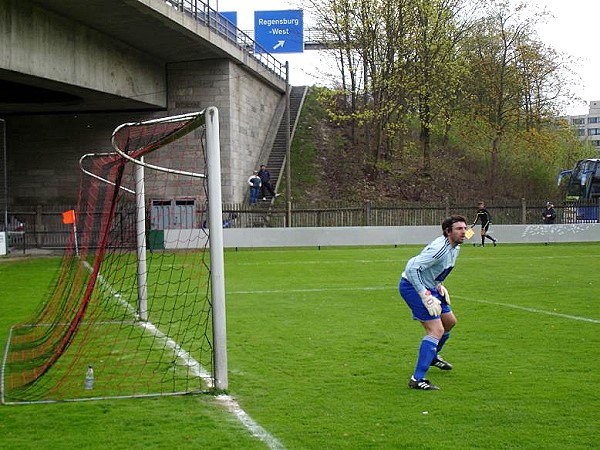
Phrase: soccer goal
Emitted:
{"points": [[138, 305]]}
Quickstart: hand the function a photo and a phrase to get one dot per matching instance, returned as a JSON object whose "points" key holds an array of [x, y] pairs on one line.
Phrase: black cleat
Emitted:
{"points": [[422, 384], [441, 363]]}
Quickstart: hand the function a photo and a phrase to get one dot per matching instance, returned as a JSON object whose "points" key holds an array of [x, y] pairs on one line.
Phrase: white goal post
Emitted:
{"points": [[215, 213]]}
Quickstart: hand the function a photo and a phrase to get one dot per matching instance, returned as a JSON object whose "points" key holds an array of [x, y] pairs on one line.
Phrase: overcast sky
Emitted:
{"points": [[574, 30]]}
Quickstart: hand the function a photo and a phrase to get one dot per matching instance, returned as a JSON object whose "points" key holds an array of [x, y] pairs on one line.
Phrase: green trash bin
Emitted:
{"points": [[157, 240]]}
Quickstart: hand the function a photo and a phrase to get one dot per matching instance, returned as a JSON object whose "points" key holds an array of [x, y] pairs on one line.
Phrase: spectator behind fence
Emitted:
{"points": [[549, 214]]}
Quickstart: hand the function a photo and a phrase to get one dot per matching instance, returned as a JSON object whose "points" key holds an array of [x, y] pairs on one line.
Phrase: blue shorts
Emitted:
{"points": [[414, 302]]}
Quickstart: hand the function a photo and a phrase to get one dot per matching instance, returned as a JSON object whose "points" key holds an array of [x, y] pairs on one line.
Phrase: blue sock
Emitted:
{"points": [[427, 352], [443, 340]]}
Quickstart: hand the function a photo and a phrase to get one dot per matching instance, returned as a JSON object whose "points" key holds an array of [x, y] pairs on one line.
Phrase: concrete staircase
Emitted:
{"points": [[276, 160]]}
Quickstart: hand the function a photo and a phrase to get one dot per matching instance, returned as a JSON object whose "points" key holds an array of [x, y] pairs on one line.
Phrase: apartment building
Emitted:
{"points": [[587, 126]]}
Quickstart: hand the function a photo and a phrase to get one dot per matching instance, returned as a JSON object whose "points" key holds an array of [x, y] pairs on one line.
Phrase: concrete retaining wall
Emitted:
{"points": [[366, 236]]}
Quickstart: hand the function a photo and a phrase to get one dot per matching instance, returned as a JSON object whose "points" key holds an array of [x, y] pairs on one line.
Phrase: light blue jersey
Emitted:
{"points": [[432, 265]]}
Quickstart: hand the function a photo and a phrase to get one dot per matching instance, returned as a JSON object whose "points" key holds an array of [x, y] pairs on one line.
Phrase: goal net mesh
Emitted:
{"points": [[92, 315]]}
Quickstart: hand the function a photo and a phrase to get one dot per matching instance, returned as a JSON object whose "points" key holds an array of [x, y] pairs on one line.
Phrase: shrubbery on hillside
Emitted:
{"points": [[327, 165]]}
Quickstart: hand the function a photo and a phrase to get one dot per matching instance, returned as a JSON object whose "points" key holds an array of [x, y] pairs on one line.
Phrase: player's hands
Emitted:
{"points": [[443, 292], [433, 305]]}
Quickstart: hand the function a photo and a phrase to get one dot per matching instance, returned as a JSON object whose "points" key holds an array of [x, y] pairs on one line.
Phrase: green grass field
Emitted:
{"points": [[321, 346]]}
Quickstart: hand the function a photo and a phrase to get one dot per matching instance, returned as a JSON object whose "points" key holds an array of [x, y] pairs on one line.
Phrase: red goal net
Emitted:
{"points": [[131, 306]]}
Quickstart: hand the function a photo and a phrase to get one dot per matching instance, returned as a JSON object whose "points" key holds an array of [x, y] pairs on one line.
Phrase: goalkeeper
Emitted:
{"points": [[422, 289]]}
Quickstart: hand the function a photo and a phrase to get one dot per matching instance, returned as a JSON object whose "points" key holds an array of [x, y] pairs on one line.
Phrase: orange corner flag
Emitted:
{"points": [[69, 216]]}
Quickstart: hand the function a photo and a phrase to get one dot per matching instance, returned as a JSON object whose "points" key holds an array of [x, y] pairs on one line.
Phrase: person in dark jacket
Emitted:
{"points": [[485, 218], [265, 178], [549, 214]]}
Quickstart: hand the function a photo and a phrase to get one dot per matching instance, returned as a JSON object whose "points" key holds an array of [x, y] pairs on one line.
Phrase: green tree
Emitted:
{"points": [[515, 81], [437, 65], [450, 78], [373, 42]]}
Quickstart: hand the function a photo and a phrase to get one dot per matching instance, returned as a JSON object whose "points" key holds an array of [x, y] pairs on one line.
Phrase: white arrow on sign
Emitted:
{"points": [[279, 44]]}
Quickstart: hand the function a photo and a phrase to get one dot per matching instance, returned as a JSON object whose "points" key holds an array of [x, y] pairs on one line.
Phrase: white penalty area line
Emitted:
{"points": [[198, 370], [532, 310], [321, 261], [383, 288], [307, 290]]}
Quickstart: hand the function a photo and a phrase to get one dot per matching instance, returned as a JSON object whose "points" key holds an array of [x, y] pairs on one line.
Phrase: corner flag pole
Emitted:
{"points": [[68, 217], [75, 237]]}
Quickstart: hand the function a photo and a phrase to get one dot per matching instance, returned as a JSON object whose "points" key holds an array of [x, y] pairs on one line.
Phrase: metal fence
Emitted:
{"points": [[42, 226], [409, 214]]}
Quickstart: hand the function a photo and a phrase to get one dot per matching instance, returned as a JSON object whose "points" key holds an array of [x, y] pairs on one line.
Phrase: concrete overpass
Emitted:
{"points": [[72, 70]]}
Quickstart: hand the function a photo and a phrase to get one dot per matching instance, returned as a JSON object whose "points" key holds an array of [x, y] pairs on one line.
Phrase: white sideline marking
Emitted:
{"points": [[255, 429], [183, 355], [232, 405]]}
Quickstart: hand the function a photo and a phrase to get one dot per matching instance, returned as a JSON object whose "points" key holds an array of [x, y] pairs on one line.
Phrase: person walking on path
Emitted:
{"points": [[421, 287]]}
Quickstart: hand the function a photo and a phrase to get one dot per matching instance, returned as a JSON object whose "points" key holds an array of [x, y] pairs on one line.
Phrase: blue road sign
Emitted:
{"points": [[231, 16], [227, 24], [279, 31]]}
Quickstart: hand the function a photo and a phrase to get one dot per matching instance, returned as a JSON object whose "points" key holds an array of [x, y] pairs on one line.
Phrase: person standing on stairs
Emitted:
{"points": [[255, 183], [265, 178]]}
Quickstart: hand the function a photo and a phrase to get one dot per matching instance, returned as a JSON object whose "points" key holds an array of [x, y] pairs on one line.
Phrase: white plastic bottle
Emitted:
{"points": [[89, 378]]}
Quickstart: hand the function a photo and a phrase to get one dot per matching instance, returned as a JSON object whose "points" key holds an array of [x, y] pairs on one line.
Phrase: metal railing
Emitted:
{"points": [[211, 18], [406, 214], [314, 38], [42, 227]]}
